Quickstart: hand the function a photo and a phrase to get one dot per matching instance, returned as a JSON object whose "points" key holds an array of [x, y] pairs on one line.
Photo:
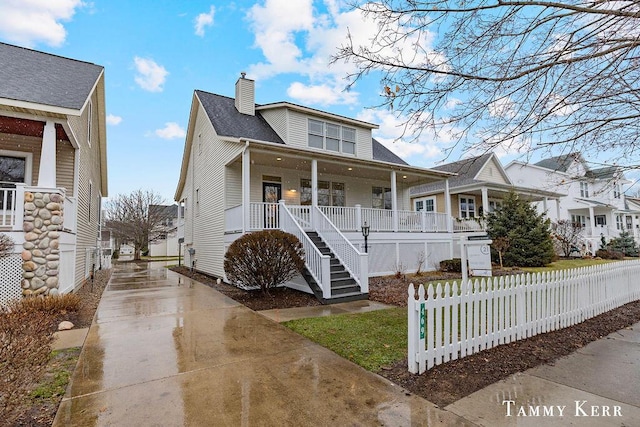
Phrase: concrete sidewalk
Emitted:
{"points": [[165, 350]]}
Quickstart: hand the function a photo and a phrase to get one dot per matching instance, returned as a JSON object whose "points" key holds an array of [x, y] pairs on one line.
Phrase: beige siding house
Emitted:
{"points": [[479, 187], [53, 171], [315, 174]]}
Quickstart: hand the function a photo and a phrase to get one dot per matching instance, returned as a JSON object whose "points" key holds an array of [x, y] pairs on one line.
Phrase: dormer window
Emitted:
{"points": [[331, 137]]}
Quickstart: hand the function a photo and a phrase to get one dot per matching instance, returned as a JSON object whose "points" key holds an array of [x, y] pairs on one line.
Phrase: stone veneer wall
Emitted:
{"points": [[43, 217]]}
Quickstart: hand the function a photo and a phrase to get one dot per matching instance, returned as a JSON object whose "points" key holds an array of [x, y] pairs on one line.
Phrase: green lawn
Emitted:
{"points": [[372, 340], [565, 264]]}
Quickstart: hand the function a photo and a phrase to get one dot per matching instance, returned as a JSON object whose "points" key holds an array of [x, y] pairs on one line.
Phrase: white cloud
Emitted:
{"points": [[407, 141], [322, 94], [502, 107], [171, 130], [151, 76], [33, 21], [296, 37], [204, 20], [113, 119]]}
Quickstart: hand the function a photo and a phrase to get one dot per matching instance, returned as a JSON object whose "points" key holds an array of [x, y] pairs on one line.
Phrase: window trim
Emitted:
{"points": [[384, 191], [89, 121], [475, 206], [331, 192], [341, 136], [424, 199], [28, 164], [584, 189]]}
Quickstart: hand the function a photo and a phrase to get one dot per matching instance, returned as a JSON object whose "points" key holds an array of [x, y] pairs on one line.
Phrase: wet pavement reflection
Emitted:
{"points": [[165, 350]]}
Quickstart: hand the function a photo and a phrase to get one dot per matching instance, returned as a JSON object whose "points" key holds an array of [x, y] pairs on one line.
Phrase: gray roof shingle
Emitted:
{"points": [[466, 169], [228, 121], [42, 78], [559, 163], [382, 153]]}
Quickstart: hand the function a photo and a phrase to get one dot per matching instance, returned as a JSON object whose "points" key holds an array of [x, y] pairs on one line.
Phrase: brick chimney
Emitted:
{"points": [[245, 95]]}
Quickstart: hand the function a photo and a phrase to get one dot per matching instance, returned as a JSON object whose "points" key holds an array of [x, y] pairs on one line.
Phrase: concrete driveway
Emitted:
{"points": [[165, 350]]}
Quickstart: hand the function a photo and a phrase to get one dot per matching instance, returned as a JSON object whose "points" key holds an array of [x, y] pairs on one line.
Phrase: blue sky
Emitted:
{"points": [[157, 53]]}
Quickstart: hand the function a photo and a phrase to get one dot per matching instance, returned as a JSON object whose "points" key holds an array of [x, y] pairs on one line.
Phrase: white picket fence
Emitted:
{"points": [[455, 321]]}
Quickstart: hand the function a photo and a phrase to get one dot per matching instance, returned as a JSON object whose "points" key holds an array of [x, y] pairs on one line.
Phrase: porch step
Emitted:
{"points": [[343, 287]]}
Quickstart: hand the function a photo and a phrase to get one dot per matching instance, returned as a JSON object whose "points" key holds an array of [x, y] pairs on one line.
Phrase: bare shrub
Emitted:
{"points": [[399, 269], [25, 348], [420, 260], [55, 305], [6, 245], [264, 259], [501, 244]]}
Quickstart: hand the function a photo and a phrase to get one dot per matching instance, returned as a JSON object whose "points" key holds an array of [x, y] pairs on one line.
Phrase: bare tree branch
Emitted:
{"points": [[519, 75]]}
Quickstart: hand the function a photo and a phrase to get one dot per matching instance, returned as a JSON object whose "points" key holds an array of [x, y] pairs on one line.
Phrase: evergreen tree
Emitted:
{"points": [[528, 233], [625, 244]]}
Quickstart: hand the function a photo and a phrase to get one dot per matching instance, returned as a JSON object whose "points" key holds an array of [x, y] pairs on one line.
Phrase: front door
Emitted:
{"points": [[271, 193]]}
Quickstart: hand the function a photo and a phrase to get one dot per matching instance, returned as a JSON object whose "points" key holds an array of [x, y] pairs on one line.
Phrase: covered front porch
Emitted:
{"points": [[37, 207]]}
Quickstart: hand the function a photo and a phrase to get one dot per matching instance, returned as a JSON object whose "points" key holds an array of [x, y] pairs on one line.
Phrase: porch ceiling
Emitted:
{"points": [[26, 127], [343, 167]]}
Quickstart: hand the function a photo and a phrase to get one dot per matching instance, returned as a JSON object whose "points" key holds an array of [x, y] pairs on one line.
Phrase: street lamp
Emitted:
{"points": [[365, 233]]}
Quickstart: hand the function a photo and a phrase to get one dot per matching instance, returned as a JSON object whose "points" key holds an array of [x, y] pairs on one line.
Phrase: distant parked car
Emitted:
{"points": [[126, 250]]}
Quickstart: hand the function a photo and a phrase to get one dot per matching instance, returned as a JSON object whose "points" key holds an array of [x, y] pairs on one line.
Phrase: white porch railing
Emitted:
{"points": [[346, 219], [352, 259], [232, 219], [453, 322], [378, 219], [302, 214], [319, 265], [468, 225], [263, 216], [8, 207], [69, 214]]}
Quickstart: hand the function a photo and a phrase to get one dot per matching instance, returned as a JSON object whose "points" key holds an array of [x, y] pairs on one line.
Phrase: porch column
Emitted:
{"points": [[47, 172], [558, 209], [246, 190], [544, 204], [485, 201], [314, 183], [447, 206], [592, 221], [394, 201]]}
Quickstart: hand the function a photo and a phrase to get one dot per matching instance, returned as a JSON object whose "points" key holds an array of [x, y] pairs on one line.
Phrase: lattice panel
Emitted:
{"points": [[10, 277], [382, 258], [409, 256]]}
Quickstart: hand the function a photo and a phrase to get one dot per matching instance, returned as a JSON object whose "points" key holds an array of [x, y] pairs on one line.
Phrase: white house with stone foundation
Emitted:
{"points": [[53, 170], [318, 175]]}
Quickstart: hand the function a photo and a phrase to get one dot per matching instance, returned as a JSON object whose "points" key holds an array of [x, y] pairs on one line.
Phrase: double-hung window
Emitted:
{"points": [[467, 207], [329, 193], [380, 198], [331, 137], [584, 189]]}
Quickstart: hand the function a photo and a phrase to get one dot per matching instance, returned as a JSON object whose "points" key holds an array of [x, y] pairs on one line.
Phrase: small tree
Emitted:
{"points": [[567, 234], [625, 244], [501, 244], [530, 243], [264, 259]]}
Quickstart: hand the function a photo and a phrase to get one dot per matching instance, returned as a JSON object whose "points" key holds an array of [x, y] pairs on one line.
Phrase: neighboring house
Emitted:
{"points": [[594, 198], [164, 240], [53, 170], [479, 187], [240, 159]]}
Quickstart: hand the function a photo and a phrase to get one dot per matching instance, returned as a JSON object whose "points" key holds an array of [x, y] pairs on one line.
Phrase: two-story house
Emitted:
{"points": [[53, 170], [318, 175], [595, 197]]}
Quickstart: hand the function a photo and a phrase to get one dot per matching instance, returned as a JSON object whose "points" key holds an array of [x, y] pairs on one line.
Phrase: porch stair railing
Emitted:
{"points": [[354, 261], [317, 263]]}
